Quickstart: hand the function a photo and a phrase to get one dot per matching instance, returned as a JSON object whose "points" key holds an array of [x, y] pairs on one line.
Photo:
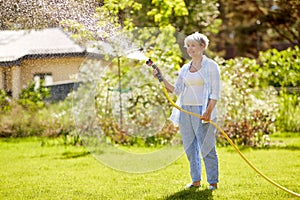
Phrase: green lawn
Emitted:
{"points": [[30, 170]]}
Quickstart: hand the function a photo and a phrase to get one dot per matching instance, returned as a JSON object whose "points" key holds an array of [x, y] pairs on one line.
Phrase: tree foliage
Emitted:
{"points": [[186, 16], [236, 28], [283, 18], [164, 12], [280, 68], [252, 26]]}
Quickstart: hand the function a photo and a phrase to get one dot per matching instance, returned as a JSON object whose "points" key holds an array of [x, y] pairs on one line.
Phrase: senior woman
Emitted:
{"points": [[198, 89]]}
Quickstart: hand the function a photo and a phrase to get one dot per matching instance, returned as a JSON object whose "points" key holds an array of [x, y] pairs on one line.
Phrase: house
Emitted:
{"points": [[33, 55]]}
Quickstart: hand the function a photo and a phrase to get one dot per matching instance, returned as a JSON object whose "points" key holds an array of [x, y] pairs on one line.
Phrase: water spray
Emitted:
{"points": [[150, 63]]}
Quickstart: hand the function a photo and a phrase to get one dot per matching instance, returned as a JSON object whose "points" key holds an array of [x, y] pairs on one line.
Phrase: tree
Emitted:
{"points": [[283, 18], [252, 26], [186, 16]]}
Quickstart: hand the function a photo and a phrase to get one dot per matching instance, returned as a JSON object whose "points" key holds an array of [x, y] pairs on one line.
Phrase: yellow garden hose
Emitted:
{"points": [[150, 63], [230, 141]]}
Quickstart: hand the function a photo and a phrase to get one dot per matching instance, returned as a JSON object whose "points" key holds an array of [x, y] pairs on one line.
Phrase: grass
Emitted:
{"points": [[36, 168]]}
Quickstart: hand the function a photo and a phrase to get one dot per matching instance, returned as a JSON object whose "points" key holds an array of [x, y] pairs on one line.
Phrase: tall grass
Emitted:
{"points": [[288, 116]]}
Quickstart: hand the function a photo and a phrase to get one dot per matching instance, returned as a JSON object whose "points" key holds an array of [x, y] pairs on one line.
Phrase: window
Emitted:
{"points": [[45, 77]]}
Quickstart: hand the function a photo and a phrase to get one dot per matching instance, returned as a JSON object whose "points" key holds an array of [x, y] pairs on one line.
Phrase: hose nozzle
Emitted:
{"points": [[151, 64]]}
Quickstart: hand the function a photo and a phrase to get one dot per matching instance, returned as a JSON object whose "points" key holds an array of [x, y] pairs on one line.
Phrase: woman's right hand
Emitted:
{"points": [[169, 86], [156, 71]]}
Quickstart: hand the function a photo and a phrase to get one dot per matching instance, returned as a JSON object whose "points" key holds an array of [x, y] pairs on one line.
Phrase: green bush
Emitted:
{"points": [[254, 109], [140, 123], [30, 116], [57, 121], [18, 122], [250, 132], [248, 110], [279, 68], [5, 101], [115, 135], [33, 97], [144, 107], [53, 120]]}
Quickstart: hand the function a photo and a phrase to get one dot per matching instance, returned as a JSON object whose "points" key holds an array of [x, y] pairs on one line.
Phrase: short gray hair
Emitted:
{"points": [[197, 37]]}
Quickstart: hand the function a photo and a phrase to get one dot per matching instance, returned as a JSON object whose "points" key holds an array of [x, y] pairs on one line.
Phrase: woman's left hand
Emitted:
{"points": [[206, 116]]}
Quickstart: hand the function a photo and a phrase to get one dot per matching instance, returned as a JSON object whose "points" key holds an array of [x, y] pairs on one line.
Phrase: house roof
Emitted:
{"points": [[15, 45]]}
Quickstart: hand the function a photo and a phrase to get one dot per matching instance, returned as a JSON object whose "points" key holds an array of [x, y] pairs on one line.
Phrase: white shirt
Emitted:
{"points": [[210, 73], [194, 89]]}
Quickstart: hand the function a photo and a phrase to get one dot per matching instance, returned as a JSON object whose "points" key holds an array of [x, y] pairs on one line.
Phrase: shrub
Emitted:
{"points": [[144, 108], [32, 97], [250, 132], [280, 68], [116, 135], [53, 120], [249, 90], [289, 112], [5, 101], [56, 119], [248, 111], [19, 123]]}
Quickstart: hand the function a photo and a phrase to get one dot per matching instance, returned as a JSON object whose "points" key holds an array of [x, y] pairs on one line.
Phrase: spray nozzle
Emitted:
{"points": [[150, 63]]}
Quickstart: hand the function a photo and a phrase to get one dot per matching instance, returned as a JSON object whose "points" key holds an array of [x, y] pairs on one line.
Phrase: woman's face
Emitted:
{"points": [[194, 49]]}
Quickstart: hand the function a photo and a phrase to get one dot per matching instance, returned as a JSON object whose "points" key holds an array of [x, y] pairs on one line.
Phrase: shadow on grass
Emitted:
{"points": [[288, 147], [292, 147], [70, 155], [205, 194]]}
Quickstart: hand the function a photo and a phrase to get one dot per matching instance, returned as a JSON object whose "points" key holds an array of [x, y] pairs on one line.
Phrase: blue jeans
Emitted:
{"points": [[199, 138]]}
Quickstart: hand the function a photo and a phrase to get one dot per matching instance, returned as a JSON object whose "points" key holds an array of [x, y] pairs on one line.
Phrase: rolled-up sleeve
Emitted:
{"points": [[215, 82], [179, 84]]}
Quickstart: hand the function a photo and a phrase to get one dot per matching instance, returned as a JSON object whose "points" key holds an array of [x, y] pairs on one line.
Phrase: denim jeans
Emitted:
{"points": [[199, 137]]}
